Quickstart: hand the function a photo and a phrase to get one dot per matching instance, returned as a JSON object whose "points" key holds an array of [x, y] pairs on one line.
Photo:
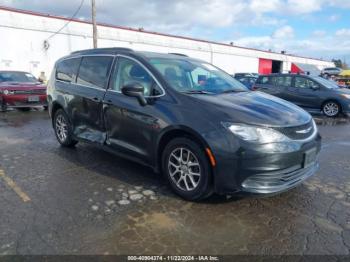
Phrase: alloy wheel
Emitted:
{"points": [[184, 169], [331, 109], [61, 128]]}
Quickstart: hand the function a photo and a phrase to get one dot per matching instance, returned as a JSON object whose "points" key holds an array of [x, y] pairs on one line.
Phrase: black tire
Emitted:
{"points": [[45, 108], [24, 109], [198, 163], [331, 108], [3, 108], [61, 119]]}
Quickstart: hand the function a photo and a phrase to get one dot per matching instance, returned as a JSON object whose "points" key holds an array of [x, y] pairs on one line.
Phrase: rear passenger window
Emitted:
{"points": [[284, 81], [94, 71], [67, 70], [263, 80]]}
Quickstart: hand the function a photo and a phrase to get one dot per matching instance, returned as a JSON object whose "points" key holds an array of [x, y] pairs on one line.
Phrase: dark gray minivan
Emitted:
{"points": [[312, 93], [185, 118]]}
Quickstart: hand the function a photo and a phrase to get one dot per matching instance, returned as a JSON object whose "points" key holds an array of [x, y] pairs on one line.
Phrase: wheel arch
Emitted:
{"points": [[174, 132], [55, 106]]}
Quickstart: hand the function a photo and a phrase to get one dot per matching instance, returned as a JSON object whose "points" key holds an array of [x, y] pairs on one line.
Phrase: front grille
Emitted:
{"points": [[275, 178], [298, 132], [30, 92], [279, 180]]}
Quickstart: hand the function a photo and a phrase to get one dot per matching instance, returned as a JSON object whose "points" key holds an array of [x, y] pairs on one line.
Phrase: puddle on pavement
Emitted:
{"points": [[245, 226], [170, 227], [18, 119], [326, 121], [155, 220]]}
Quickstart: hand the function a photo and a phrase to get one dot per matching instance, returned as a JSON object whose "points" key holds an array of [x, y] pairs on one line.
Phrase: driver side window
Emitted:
{"points": [[313, 84], [301, 82], [128, 71]]}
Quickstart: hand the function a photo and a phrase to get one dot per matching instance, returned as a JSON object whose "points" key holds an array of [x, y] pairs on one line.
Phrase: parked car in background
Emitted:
{"points": [[331, 71], [313, 93], [343, 78], [248, 81], [236, 75], [21, 90], [184, 117]]}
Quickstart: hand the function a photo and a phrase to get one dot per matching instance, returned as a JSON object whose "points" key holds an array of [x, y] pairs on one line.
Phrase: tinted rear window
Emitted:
{"points": [[67, 69], [94, 71]]}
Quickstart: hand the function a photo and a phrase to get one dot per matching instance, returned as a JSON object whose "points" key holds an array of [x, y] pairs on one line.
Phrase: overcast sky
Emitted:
{"points": [[317, 28]]}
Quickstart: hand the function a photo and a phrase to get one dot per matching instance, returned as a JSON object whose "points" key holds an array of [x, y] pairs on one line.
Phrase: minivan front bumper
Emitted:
{"points": [[278, 181], [266, 169]]}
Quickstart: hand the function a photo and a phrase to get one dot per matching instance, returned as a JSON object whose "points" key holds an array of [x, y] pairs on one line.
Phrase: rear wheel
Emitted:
{"points": [[63, 129], [331, 108], [187, 169]]}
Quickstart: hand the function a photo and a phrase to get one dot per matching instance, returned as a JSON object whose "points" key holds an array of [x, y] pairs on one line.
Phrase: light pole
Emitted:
{"points": [[94, 26]]}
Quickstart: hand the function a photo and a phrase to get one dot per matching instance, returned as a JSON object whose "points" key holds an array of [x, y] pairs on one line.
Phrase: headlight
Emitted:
{"points": [[346, 96], [6, 92], [314, 125], [259, 135]]}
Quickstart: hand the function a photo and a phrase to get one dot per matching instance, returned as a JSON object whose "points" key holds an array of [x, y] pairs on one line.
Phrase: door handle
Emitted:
{"points": [[108, 102]]}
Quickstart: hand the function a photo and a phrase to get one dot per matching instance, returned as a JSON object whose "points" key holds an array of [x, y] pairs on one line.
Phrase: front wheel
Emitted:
{"points": [[331, 109], [187, 169], [63, 129]]}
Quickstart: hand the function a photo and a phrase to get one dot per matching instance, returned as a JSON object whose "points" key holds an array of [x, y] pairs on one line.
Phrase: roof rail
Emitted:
{"points": [[179, 54], [109, 50]]}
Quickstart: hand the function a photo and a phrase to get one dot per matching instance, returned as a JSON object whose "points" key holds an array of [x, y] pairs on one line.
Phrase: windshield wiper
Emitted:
{"points": [[197, 92], [232, 91]]}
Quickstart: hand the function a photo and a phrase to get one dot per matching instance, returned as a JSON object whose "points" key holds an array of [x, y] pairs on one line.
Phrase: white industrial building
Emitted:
{"points": [[28, 43]]}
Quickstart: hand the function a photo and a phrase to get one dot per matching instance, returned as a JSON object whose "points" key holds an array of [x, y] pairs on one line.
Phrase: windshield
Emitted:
{"points": [[196, 77], [20, 77], [327, 83]]}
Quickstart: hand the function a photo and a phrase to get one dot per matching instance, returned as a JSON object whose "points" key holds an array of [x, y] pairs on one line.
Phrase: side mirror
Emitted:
{"points": [[315, 88], [135, 90]]}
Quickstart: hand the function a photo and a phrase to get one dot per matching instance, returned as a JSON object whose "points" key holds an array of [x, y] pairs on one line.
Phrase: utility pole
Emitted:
{"points": [[94, 26]]}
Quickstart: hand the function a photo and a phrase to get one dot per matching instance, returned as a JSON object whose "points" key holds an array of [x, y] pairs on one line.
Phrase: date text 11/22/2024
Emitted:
{"points": [[173, 258]]}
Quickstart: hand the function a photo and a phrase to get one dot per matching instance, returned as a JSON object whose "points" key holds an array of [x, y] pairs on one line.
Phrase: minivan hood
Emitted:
{"points": [[256, 108]]}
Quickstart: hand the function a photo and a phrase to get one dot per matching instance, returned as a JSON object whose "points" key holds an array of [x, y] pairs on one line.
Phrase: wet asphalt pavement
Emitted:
{"points": [[86, 201]]}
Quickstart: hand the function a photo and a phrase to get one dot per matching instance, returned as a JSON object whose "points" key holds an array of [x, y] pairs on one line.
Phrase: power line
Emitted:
{"points": [[70, 20]]}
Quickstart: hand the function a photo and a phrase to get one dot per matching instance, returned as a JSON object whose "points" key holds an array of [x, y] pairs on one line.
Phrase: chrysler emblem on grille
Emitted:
{"points": [[304, 131]]}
